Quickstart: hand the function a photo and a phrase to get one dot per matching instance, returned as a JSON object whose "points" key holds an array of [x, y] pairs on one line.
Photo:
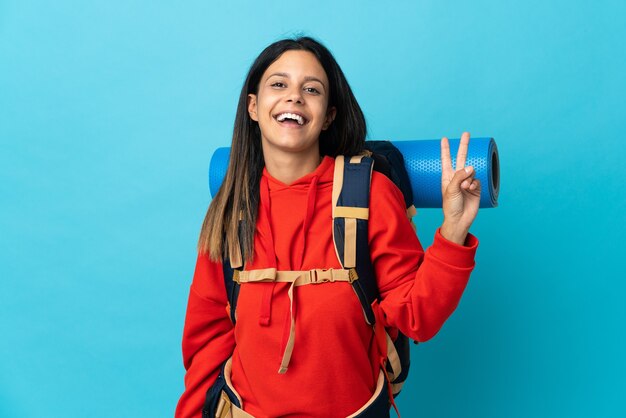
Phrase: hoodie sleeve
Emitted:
{"points": [[208, 338], [419, 290]]}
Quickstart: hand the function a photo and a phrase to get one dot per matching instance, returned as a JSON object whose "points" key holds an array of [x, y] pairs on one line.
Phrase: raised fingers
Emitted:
{"points": [[461, 155]]}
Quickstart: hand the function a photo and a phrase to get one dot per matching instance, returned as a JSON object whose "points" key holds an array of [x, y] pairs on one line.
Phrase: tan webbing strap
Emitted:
{"points": [[351, 212], [337, 180], [356, 159], [240, 413], [284, 363], [396, 387], [300, 278], [337, 185], [411, 211], [228, 367], [393, 358], [349, 249], [225, 408], [260, 275]]}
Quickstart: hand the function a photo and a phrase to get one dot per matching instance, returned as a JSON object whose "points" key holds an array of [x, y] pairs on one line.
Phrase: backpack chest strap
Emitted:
{"points": [[298, 278]]}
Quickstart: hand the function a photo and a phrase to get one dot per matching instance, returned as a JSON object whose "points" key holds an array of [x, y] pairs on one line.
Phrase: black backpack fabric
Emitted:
{"points": [[389, 161]]}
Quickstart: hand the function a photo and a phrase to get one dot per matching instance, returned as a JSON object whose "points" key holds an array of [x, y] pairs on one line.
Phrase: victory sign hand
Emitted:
{"points": [[460, 192]]}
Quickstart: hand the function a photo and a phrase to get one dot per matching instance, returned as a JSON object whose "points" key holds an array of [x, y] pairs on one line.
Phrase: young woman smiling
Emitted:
{"points": [[306, 351]]}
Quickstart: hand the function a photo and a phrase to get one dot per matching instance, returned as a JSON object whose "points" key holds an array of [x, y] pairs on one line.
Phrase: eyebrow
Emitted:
{"points": [[307, 78]]}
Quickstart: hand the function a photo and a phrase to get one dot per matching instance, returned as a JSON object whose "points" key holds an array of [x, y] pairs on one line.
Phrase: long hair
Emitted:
{"points": [[231, 217]]}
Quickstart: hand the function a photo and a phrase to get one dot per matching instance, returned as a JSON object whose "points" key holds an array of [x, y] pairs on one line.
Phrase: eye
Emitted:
{"points": [[278, 84], [312, 90]]}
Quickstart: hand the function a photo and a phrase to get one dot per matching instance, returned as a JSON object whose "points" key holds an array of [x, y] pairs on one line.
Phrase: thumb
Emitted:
{"points": [[459, 177]]}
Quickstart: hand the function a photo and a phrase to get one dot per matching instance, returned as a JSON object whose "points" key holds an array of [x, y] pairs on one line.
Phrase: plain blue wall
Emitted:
{"points": [[109, 113]]}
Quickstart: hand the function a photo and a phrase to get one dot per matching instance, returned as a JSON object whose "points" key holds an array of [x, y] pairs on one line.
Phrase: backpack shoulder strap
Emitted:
{"points": [[351, 195]]}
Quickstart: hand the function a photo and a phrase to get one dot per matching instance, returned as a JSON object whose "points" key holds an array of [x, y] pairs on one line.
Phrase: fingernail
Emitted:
{"points": [[468, 169]]}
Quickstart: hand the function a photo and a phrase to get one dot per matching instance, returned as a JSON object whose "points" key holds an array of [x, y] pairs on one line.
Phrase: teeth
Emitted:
{"points": [[293, 116]]}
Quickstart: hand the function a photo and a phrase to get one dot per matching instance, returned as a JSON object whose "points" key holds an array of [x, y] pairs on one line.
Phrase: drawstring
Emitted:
{"points": [[310, 209], [289, 330], [266, 205], [265, 313]]}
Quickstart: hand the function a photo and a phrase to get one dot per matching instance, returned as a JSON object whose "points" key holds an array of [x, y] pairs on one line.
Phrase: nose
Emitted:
{"points": [[294, 95]]}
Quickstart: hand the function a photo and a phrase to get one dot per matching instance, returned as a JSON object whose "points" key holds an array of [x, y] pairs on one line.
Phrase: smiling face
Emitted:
{"points": [[291, 104]]}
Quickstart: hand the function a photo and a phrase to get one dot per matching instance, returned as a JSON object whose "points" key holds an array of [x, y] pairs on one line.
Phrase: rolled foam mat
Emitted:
{"points": [[422, 159]]}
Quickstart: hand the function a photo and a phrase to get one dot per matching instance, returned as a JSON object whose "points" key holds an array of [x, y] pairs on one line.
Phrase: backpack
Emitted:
{"points": [[351, 190]]}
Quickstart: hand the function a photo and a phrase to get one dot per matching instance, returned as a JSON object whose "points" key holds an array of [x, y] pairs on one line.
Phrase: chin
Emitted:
{"points": [[294, 147]]}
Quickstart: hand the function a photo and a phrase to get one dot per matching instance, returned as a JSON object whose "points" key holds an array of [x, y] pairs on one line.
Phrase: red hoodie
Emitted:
{"points": [[331, 372]]}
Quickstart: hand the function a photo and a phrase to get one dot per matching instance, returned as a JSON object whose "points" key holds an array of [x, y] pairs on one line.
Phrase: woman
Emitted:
{"points": [[296, 113]]}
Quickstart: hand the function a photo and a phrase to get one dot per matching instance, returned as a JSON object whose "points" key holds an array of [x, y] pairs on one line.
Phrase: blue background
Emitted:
{"points": [[109, 113]]}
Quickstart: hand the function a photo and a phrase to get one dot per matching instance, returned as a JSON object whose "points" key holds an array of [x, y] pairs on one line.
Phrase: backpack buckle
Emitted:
{"points": [[315, 277], [236, 276], [352, 276], [322, 276]]}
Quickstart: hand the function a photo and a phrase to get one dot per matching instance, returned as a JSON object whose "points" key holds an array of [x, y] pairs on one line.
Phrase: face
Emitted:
{"points": [[291, 105]]}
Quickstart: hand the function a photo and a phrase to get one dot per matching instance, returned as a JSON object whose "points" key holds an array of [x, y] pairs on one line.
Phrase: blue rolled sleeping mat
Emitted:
{"points": [[422, 159]]}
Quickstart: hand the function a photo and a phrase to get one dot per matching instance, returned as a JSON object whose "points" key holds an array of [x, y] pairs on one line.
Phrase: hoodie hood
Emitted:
{"points": [[284, 227], [323, 172], [286, 212]]}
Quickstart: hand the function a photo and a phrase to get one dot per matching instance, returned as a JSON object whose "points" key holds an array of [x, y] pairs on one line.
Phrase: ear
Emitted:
{"points": [[252, 107], [330, 117]]}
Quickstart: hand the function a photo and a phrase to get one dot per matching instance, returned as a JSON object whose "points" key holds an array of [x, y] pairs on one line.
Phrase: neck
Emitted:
{"points": [[288, 167]]}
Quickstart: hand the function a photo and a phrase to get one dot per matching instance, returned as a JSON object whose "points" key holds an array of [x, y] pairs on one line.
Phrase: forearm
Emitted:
{"points": [[420, 306], [454, 233]]}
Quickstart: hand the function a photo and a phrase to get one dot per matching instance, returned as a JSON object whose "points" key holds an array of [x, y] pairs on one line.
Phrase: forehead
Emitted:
{"points": [[297, 64]]}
